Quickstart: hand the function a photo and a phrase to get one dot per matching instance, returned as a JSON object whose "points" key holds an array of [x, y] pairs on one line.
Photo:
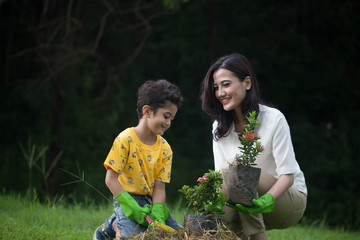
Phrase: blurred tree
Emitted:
{"points": [[51, 43]]}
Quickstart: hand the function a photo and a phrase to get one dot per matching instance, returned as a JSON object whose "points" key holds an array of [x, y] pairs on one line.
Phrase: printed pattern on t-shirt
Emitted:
{"points": [[139, 165]]}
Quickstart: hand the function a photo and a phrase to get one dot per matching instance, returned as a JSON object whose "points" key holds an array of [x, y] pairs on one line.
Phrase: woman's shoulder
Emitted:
{"points": [[215, 124], [270, 115], [270, 111]]}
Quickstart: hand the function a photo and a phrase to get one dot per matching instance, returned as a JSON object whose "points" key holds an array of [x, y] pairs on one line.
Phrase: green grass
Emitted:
{"points": [[24, 219], [299, 232]]}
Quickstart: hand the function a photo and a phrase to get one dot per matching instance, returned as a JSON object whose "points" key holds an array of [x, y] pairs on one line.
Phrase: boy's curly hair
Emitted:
{"points": [[156, 94]]}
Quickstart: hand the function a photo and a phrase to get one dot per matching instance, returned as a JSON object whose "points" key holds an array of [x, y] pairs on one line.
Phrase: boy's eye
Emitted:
{"points": [[169, 117]]}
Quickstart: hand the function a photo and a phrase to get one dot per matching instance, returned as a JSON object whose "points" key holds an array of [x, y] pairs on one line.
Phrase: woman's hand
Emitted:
{"points": [[265, 204]]}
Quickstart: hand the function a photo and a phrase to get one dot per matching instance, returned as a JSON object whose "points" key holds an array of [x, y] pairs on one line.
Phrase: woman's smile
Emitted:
{"points": [[225, 101]]}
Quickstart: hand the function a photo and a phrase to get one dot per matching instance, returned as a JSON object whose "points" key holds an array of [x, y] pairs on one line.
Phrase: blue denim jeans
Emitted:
{"points": [[129, 227]]}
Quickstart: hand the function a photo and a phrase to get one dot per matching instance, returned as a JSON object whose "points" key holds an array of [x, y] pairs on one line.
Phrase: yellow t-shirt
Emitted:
{"points": [[137, 164]]}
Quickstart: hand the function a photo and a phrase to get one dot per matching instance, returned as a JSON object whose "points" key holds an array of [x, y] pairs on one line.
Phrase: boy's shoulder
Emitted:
{"points": [[129, 136], [163, 141], [126, 135], [127, 132]]}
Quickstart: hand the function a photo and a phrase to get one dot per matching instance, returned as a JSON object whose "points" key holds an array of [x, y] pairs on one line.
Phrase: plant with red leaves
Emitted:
{"points": [[250, 144]]}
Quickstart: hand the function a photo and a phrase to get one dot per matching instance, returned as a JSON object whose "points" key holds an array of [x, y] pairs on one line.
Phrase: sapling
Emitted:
{"points": [[243, 177], [250, 144], [206, 197]]}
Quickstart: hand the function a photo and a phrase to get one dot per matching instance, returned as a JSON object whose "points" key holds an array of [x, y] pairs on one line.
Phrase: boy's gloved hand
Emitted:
{"points": [[265, 204], [132, 209], [159, 212]]}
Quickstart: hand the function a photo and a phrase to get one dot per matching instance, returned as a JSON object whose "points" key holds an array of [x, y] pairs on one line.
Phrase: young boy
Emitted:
{"points": [[139, 164]]}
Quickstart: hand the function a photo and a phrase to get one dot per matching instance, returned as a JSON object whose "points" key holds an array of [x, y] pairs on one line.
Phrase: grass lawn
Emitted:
{"points": [[299, 232], [24, 219]]}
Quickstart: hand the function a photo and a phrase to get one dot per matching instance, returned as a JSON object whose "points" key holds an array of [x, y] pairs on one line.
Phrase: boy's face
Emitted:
{"points": [[159, 122]]}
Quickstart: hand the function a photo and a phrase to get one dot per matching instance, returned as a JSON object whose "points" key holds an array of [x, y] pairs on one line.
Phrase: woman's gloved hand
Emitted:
{"points": [[220, 202], [265, 204]]}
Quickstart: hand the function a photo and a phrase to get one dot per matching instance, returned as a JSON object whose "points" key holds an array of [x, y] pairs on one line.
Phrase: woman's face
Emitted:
{"points": [[229, 90]]}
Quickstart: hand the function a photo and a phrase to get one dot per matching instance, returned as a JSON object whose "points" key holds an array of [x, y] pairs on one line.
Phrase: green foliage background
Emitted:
{"points": [[70, 71]]}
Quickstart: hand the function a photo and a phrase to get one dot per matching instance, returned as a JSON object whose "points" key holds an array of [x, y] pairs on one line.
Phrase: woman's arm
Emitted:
{"points": [[112, 182], [282, 184], [159, 194]]}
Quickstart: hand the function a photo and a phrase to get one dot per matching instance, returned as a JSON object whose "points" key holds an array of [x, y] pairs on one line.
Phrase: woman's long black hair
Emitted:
{"points": [[240, 66]]}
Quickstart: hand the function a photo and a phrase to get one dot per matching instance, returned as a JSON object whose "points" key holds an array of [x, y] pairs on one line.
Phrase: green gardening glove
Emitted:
{"points": [[220, 201], [265, 204], [131, 208], [159, 212]]}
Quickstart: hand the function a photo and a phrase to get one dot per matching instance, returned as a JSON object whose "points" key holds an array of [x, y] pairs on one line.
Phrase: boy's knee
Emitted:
{"points": [[117, 231]]}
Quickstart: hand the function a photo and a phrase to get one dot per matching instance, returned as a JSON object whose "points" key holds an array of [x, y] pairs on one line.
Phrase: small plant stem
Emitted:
{"points": [[82, 179]]}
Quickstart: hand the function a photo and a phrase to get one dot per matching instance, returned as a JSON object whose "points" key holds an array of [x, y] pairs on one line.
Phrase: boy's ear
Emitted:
{"points": [[146, 110]]}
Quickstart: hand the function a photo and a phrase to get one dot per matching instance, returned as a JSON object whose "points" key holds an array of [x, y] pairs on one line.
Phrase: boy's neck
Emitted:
{"points": [[145, 135]]}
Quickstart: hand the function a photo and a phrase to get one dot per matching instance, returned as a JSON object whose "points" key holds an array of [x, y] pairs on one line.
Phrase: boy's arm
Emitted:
{"points": [[159, 194], [130, 207], [159, 211], [112, 182]]}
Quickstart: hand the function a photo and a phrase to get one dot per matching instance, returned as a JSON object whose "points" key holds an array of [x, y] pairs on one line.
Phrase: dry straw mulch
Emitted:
{"points": [[221, 234]]}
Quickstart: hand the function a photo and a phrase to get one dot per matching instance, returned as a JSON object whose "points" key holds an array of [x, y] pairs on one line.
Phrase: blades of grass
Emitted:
{"points": [[69, 183], [81, 178], [53, 164]]}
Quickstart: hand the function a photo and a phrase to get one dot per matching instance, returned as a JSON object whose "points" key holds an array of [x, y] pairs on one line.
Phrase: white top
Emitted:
{"points": [[278, 156]]}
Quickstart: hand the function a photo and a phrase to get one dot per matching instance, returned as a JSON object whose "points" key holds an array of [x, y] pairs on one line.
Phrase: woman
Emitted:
{"points": [[230, 92]]}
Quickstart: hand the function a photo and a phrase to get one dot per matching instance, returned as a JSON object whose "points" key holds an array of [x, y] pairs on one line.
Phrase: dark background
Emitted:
{"points": [[70, 71]]}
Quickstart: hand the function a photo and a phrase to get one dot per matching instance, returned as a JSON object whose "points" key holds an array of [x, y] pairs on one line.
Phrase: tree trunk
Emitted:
{"points": [[56, 130]]}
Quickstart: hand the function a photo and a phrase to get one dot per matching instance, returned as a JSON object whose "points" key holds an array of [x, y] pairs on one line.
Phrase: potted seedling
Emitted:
{"points": [[243, 177], [206, 201]]}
